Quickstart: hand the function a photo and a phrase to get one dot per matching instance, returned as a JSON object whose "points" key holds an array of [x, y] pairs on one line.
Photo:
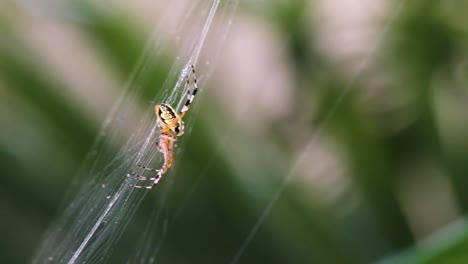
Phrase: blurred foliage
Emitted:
{"points": [[415, 129]]}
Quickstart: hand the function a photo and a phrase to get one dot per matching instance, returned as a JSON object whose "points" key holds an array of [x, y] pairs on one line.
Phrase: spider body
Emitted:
{"points": [[172, 126], [169, 121]]}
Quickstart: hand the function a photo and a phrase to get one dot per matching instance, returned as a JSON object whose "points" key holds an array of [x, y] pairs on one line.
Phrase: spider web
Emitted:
{"points": [[101, 206]]}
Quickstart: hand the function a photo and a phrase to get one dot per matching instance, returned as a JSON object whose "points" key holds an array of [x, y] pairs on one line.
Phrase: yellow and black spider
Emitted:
{"points": [[172, 126]]}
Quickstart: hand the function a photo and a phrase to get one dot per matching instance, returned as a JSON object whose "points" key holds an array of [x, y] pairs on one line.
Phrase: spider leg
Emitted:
{"points": [[147, 168], [190, 96], [142, 186], [145, 178], [153, 183], [155, 180]]}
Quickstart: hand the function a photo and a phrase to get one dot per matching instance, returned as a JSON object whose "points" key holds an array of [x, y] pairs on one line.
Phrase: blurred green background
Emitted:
{"points": [[360, 104]]}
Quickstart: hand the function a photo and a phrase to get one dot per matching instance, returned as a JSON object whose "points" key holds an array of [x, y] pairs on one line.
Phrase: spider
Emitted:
{"points": [[172, 126]]}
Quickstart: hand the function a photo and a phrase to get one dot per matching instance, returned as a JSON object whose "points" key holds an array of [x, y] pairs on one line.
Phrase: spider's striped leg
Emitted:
{"points": [[151, 186], [145, 178], [154, 182], [146, 168], [137, 186], [154, 179], [190, 95]]}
